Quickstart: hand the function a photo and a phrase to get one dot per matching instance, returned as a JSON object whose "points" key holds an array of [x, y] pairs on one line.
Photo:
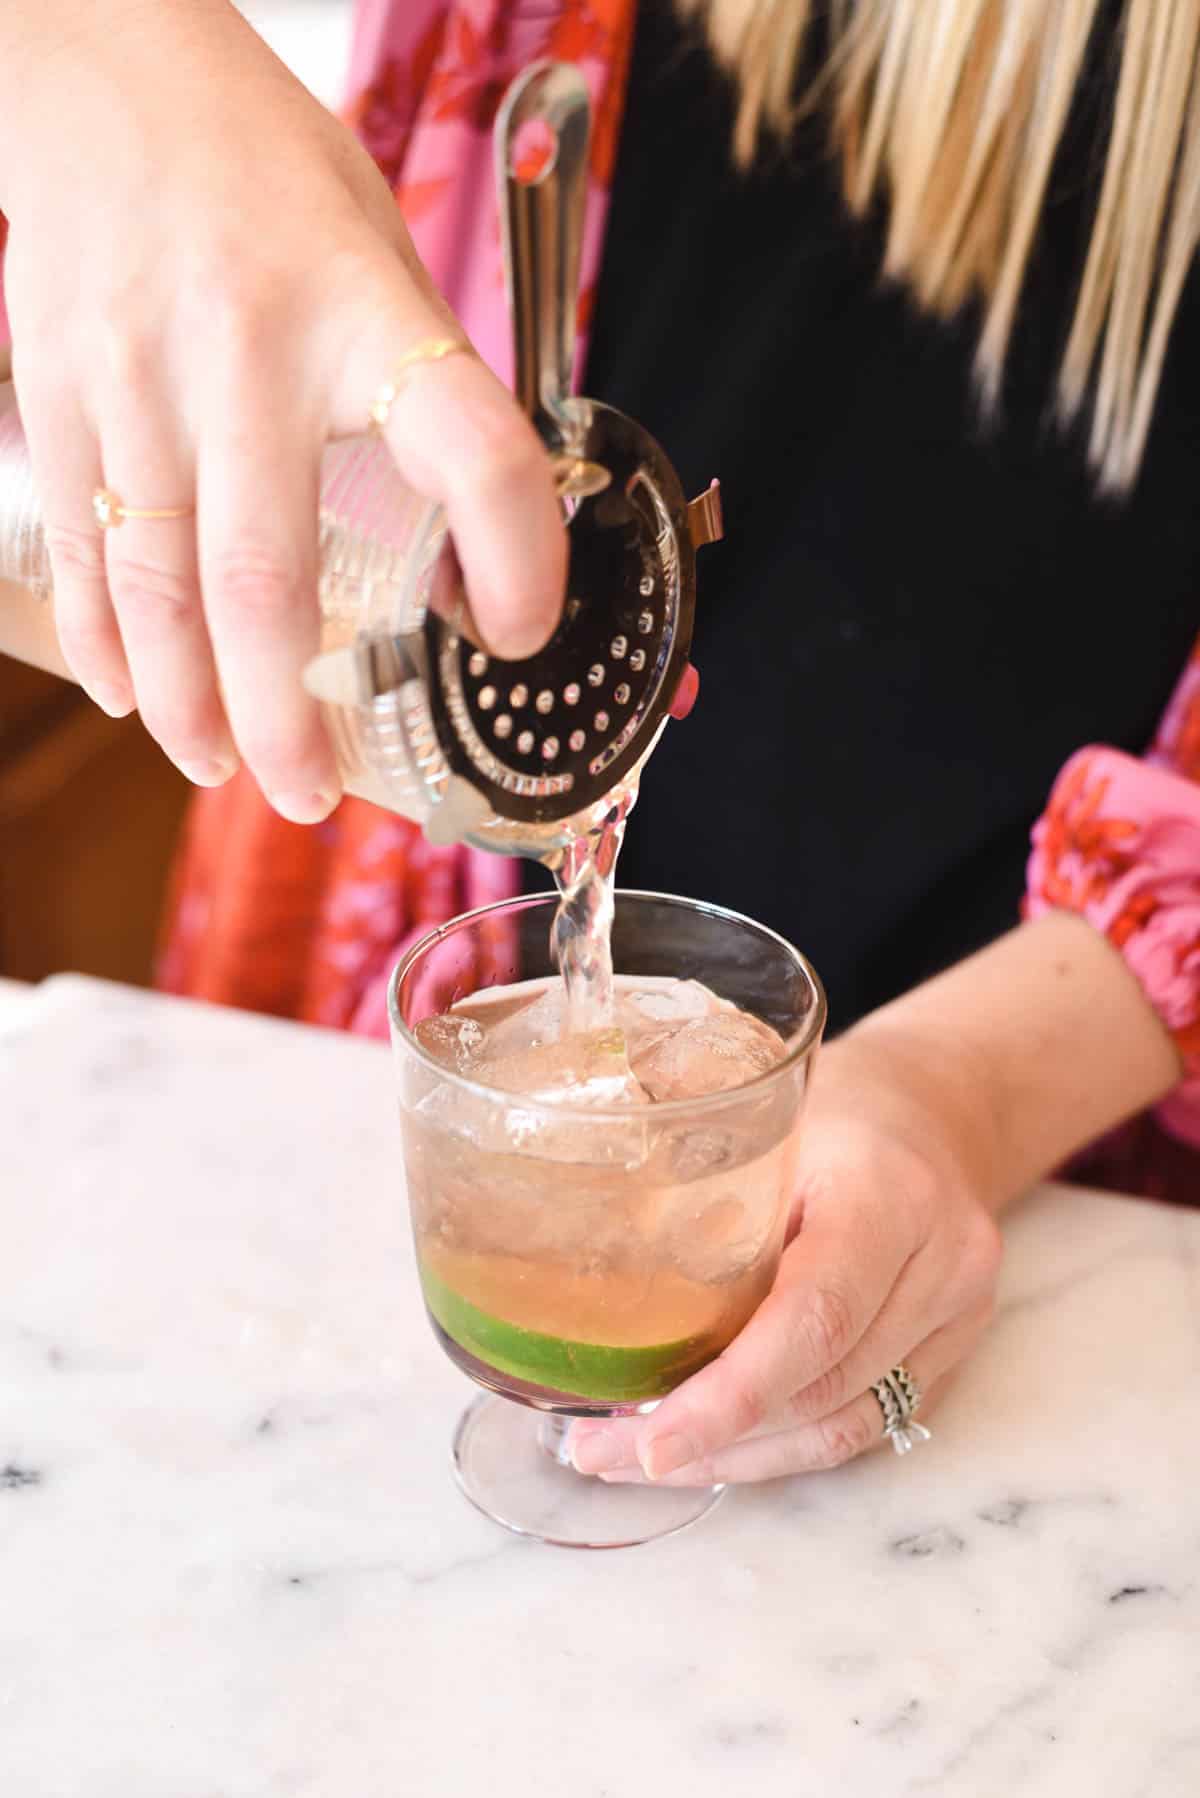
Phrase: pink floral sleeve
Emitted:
{"points": [[1119, 843]]}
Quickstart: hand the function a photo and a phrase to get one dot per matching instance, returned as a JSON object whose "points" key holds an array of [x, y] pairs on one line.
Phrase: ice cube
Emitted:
{"points": [[592, 1069], [587, 1071], [517, 1018], [579, 1072], [610, 1142], [707, 1055], [453, 1040], [650, 1001], [514, 1131], [649, 1010]]}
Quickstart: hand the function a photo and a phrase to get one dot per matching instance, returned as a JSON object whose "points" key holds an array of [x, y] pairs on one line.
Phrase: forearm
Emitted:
{"points": [[1033, 1048]]}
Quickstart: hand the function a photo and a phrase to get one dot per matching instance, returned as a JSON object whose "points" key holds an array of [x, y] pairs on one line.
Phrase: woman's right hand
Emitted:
{"points": [[207, 278]]}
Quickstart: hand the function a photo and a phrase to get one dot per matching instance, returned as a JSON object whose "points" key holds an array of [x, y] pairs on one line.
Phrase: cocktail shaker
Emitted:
{"points": [[518, 756]]}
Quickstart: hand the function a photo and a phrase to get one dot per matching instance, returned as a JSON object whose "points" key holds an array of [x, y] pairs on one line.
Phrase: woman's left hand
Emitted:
{"points": [[892, 1257]]}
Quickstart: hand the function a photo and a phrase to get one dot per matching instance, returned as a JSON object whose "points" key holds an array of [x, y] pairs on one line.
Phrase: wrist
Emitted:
{"points": [[1030, 1050], [933, 1086]]}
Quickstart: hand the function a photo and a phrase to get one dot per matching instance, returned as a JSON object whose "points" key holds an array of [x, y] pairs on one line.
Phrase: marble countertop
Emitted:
{"points": [[233, 1563]]}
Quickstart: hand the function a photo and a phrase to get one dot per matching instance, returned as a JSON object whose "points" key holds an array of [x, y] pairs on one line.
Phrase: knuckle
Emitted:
{"points": [[499, 457], [746, 1404], [909, 1174], [88, 643], [144, 593], [986, 1309], [256, 581], [825, 1394], [75, 553], [828, 1326], [361, 271], [985, 1253], [127, 353], [244, 317], [842, 1438]]}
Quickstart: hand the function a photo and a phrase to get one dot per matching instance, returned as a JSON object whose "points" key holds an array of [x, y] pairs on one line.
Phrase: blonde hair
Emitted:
{"points": [[953, 112]]}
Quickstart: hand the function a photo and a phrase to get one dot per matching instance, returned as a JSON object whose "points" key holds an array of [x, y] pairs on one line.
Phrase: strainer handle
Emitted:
{"points": [[541, 146]]}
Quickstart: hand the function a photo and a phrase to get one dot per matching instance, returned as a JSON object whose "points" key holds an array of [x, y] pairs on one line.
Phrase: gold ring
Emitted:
{"points": [[430, 349], [111, 511]]}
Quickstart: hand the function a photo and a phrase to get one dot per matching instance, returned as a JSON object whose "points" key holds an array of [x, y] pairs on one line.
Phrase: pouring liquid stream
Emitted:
{"points": [[581, 935]]}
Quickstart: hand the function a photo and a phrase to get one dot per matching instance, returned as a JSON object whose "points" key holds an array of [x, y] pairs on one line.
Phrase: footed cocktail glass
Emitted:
{"points": [[582, 1255]]}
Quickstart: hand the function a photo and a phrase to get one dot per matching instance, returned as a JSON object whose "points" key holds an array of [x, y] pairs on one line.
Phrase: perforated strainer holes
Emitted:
{"points": [[516, 745], [556, 723]]}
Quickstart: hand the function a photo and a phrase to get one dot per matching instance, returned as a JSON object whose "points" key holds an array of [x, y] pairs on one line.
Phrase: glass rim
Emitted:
{"points": [[807, 1037]]}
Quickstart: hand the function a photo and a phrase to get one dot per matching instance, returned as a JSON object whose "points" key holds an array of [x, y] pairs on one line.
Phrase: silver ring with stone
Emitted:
{"points": [[899, 1397]]}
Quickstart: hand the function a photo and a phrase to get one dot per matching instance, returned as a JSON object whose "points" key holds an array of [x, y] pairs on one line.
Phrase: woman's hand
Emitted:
{"points": [[923, 1121], [893, 1258], [207, 278]]}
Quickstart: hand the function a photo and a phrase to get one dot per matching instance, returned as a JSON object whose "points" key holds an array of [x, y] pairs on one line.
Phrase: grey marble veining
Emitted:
{"points": [[233, 1564]]}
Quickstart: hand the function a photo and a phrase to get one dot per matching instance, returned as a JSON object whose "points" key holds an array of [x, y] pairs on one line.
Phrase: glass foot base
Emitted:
{"points": [[503, 1468]]}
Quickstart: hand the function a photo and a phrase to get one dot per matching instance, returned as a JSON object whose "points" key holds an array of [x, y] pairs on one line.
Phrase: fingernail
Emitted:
{"points": [[212, 773], [666, 1454], [597, 1452], [686, 693], [305, 808], [116, 701]]}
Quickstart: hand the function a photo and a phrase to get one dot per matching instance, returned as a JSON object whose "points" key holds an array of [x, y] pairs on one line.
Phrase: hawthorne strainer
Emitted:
{"points": [[513, 754]]}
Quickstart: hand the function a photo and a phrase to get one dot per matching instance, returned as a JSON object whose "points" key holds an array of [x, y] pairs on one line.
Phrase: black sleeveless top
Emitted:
{"points": [[914, 619]]}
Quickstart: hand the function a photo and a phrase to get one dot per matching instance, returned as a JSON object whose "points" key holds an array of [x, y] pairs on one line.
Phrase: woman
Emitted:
{"points": [[918, 617]]}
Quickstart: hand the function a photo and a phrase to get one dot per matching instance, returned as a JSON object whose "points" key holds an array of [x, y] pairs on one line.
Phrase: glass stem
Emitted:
{"points": [[552, 1437]]}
